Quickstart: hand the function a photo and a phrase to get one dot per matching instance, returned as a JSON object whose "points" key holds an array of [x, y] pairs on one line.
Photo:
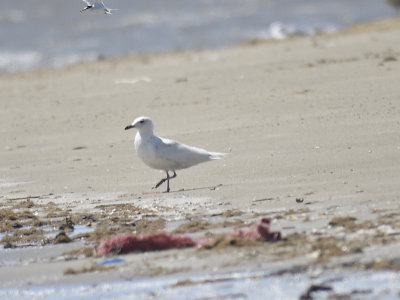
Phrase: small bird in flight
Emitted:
{"points": [[165, 154], [97, 7]]}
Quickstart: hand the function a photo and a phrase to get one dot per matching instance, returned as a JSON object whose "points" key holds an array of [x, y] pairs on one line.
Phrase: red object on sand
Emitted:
{"points": [[126, 243], [260, 232], [159, 241]]}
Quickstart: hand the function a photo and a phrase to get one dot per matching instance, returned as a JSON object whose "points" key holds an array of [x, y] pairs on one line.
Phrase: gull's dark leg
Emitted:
{"points": [[161, 181], [167, 191], [168, 178], [165, 179]]}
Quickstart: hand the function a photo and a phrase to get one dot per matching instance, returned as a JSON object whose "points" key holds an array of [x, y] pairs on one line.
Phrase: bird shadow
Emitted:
{"points": [[211, 188]]}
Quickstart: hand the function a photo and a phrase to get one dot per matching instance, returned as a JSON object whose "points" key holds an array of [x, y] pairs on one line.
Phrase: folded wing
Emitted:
{"points": [[183, 156]]}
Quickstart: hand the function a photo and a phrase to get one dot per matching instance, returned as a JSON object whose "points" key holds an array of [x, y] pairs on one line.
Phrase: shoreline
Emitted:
{"points": [[311, 125], [357, 28]]}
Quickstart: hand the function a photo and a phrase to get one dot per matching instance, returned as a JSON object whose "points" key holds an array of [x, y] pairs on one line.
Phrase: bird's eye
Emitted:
{"points": [[142, 121]]}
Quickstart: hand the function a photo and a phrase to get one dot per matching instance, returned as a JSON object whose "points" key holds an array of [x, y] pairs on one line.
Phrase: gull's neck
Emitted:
{"points": [[145, 133]]}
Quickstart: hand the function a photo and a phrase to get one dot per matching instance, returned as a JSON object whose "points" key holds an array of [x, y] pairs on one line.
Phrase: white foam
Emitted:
{"points": [[70, 59], [13, 61], [13, 16]]}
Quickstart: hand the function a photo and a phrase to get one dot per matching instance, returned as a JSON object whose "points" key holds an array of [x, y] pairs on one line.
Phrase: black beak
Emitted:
{"points": [[129, 127]]}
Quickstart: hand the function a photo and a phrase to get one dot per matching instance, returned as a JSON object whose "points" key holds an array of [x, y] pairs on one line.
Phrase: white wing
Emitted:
{"points": [[87, 2], [180, 155], [100, 2]]}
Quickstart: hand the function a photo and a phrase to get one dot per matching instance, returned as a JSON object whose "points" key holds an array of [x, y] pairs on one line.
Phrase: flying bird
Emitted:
{"points": [[165, 154], [97, 7]]}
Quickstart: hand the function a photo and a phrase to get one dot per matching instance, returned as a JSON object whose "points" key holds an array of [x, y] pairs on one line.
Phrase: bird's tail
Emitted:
{"points": [[217, 155], [109, 10]]}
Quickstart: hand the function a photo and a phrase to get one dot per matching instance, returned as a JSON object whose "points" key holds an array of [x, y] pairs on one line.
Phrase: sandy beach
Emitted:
{"points": [[311, 126]]}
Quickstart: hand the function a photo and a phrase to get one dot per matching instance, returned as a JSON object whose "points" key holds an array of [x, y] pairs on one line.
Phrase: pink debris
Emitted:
{"points": [[259, 232], [126, 243], [159, 241]]}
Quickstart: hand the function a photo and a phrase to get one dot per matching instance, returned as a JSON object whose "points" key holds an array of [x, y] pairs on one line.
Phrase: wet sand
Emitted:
{"points": [[311, 127]]}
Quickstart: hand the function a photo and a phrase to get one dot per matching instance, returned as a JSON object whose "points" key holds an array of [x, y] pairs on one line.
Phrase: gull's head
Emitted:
{"points": [[86, 8], [142, 124]]}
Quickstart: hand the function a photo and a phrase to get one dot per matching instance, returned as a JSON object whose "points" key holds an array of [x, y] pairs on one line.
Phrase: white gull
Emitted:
{"points": [[97, 7], [165, 154]]}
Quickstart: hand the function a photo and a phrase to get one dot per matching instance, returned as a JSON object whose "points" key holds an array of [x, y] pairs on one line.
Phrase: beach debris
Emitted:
{"points": [[68, 225], [181, 79], [16, 225], [215, 187], [243, 237], [126, 243], [29, 197], [314, 288], [228, 213], [62, 238], [224, 241], [111, 261], [193, 226], [299, 200], [9, 245], [346, 221], [259, 232], [264, 199], [382, 263], [389, 58], [88, 269], [79, 253], [134, 80]]}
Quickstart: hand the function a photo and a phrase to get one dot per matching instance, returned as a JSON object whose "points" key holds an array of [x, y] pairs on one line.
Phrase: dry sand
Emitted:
{"points": [[313, 119]]}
